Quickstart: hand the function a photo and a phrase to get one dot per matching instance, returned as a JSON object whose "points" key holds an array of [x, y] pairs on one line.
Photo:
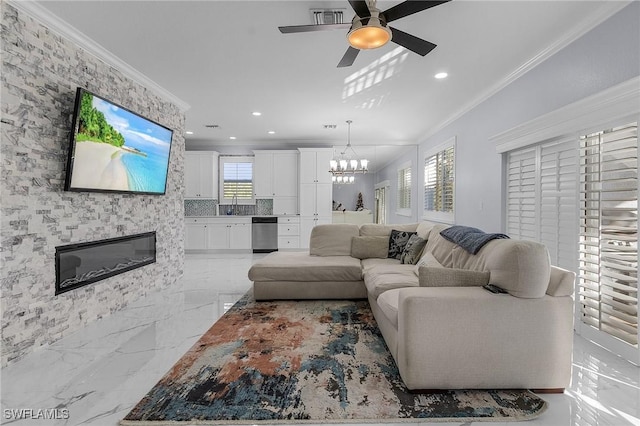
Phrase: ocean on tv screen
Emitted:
{"points": [[118, 150]]}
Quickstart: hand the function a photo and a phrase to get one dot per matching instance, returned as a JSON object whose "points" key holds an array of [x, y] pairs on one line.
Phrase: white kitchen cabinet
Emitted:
{"points": [[288, 232], [285, 205], [285, 174], [218, 233], [201, 174], [195, 237], [240, 235], [263, 174], [275, 173], [314, 165], [316, 191]]}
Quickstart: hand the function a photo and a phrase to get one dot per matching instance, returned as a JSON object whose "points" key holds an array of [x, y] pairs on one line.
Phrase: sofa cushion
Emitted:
{"points": [[424, 229], [397, 242], [441, 249], [388, 304], [376, 230], [372, 261], [427, 259], [369, 247], [449, 277], [520, 267], [413, 250], [384, 277], [332, 239], [300, 266]]}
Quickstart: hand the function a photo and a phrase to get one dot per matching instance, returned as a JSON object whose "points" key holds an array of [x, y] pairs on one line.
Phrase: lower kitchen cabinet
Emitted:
{"points": [[218, 233]]}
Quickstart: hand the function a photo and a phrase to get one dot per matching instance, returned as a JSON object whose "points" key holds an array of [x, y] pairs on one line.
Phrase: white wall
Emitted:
{"points": [[607, 55]]}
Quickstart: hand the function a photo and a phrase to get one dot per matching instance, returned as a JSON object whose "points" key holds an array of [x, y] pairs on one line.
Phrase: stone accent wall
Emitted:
{"points": [[40, 73]]}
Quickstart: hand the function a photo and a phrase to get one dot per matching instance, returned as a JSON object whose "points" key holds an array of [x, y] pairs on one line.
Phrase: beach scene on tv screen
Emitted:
{"points": [[118, 150]]}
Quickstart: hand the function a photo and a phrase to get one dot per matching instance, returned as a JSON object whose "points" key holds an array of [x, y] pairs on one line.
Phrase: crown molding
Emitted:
{"points": [[607, 10], [63, 28], [617, 102]]}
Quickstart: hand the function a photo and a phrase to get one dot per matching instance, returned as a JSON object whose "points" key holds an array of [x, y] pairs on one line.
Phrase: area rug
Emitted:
{"points": [[307, 362]]}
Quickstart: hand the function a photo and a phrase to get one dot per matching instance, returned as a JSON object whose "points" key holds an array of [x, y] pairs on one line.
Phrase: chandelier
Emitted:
{"points": [[344, 167]]}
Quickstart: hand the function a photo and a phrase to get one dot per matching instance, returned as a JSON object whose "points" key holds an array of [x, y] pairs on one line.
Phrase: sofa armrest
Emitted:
{"points": [[451, 277], [454, 337]]}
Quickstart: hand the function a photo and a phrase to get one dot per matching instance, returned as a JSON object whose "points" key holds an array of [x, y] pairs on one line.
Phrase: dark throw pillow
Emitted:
{"points": [[397, 241], [413, 250]]}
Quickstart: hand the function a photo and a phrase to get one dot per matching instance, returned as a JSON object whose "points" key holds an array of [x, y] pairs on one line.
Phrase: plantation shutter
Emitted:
{"points": [[404, 188], [238, 180], [608, 286], [542, 198], [439, 181], [521, 194], [558, 202]]}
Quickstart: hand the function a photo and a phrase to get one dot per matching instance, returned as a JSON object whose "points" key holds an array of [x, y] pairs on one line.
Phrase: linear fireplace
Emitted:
{"points": [[80, 264]]}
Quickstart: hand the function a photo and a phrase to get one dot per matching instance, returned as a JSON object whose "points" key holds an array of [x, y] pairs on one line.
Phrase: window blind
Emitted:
{"points": [[439, 181], [237, 180], [608, 285], [404, 188]]}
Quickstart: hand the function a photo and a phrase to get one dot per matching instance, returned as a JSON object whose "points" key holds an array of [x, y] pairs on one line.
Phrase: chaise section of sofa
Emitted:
{"points": [[327, 271]]}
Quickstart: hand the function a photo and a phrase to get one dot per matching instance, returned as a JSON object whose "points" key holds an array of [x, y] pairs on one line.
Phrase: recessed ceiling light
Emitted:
{"points": [[271, 132], [256, 113], [189, 132], [232, 138], [441, 75]]}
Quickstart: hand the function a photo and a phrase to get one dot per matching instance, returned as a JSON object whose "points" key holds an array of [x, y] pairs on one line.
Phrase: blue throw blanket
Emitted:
{"points": [[470, 239]]}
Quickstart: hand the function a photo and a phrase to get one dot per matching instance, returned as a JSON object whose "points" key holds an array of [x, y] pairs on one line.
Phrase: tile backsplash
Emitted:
{"points": [[200, 207], [262, 207]]}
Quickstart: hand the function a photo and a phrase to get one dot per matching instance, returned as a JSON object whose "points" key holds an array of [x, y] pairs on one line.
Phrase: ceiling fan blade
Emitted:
{"points": [[413, 43], [360, 7], [349, 57], [409, 8], [310, 28]]}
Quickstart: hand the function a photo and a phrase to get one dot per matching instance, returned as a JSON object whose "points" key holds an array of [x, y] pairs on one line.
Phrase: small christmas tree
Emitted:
{"points": [[359, 203]]}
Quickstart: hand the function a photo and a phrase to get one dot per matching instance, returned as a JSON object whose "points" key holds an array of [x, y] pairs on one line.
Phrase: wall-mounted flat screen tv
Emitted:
{"points": [[113, 149]]}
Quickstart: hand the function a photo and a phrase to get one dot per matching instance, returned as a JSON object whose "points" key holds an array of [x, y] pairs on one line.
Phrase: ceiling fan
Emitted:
{"points": [[369, 30]]}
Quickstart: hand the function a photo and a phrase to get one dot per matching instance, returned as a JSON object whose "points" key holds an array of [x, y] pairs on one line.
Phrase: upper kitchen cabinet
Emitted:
{"points": [[275, 174], [314, 165], [201, 174]]}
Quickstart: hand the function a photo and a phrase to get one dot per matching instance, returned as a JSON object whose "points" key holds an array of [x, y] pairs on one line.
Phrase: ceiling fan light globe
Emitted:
{"points": [[371, 36]]}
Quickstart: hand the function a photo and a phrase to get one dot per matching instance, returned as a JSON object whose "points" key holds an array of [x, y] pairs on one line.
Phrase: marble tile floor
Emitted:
{"points": [[96, 375]]}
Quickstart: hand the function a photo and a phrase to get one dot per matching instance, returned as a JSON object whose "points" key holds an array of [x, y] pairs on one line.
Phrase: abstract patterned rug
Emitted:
{"points": [[306, 362]]}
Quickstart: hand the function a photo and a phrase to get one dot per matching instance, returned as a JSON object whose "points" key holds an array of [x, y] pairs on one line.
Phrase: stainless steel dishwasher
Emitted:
{"points": [[264, 234]]}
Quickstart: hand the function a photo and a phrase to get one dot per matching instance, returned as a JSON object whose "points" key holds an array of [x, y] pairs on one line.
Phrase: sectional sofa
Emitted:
{"points": [[444, 330]]}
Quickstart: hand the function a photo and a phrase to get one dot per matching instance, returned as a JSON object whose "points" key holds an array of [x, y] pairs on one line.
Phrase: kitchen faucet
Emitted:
{"points": [[234, 204]]}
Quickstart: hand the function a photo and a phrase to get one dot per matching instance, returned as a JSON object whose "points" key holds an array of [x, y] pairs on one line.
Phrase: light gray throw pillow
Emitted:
{"points": [[369, 247]]}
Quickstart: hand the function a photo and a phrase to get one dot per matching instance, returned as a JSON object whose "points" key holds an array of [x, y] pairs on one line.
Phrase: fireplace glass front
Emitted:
{"points": [[85, 263]]}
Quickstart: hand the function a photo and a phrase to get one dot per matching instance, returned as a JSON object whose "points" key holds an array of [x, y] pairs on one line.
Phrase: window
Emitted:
{"points": [[439, 184], [404, 191], [608, 279], [381, 190], [236, 179]]}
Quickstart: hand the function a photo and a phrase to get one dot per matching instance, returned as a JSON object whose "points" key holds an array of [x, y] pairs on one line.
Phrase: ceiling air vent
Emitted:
{"points": [[327, 16], [212, 126]]}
